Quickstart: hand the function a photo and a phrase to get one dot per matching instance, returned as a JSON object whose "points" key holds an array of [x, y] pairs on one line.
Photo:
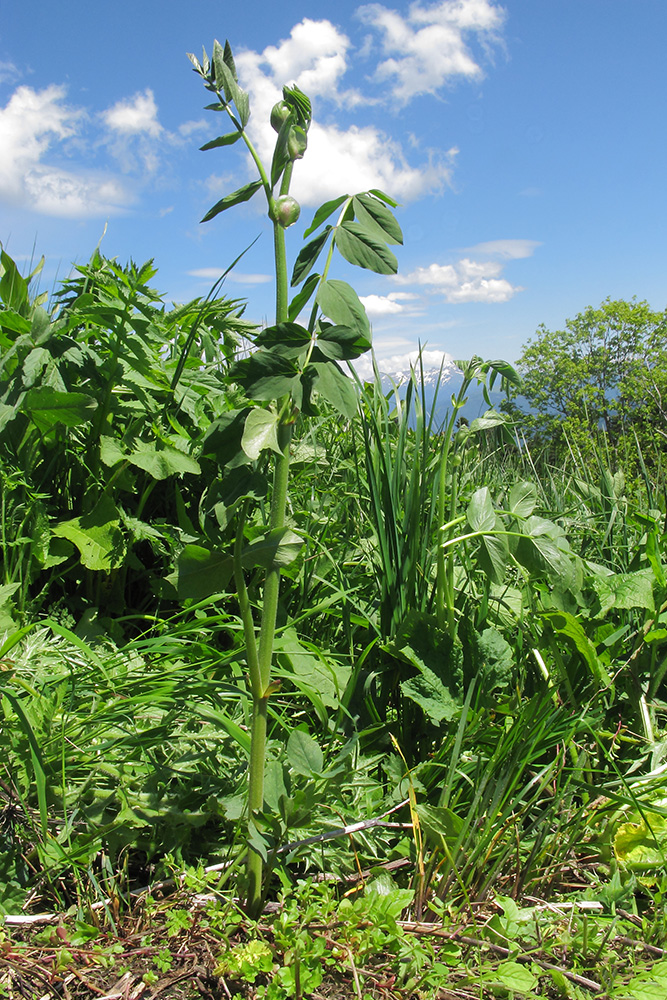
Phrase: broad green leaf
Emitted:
{"points": [[201, 573], [340, 303], [287, 339], [565, 624], [439, 823], [383, 197], [493, 556], [161, 460], [361, 247], [432, 696], [376, 217], [304, 754], [323, 213], [265, 375], [625, 590], [222, 140], [223, 438], [299, 301], [642, 847], [260, 432], [13, 287], [307, 670], [487, 422], [336, 387], [111, 451], [341, 343], [480, 514], [48, 407], [97, 536], [275, 550], [544, 551], [305, 262], [242, 194], [522, 499], [513, 977]]}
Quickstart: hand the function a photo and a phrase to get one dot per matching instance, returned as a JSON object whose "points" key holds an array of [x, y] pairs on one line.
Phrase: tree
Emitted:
{"points": [[605, 372]]}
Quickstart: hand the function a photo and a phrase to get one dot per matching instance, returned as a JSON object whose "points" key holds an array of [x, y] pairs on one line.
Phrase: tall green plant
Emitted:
{"points": [[293, 362]]}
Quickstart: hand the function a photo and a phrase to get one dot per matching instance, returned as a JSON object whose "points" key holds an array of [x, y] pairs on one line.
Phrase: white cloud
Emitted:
{"points": [[387, 305], [471, 279], [135, 116], [30, 124], [8, 72], [133, 132], [315, 57], [429, 47], [507, 249], [465, 281]]}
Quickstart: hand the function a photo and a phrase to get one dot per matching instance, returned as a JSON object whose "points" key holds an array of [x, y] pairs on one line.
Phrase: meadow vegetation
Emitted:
{"points": [[301, 693]]}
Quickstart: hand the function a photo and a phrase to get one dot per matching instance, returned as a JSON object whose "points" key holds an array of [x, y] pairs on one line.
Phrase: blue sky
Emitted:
{"points": [[526, 142]]}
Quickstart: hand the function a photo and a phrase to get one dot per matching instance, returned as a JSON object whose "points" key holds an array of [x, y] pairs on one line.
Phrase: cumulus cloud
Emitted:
{"points": [[133, 129], [466, 281], [315, 57], [31, 123], [387, 305], [473, 280], [430, 47], [135, 116]]}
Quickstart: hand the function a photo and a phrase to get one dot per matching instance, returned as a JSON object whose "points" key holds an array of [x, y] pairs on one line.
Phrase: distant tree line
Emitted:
{"points": [[602, 380]]}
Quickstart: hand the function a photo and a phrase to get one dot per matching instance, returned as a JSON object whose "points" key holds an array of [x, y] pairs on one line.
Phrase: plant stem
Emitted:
{"points": [[261, 686]]}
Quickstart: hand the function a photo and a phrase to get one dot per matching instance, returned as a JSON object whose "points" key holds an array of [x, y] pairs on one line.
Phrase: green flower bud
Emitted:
{"points": [[286, 210], [296, 142], [280, 112]]}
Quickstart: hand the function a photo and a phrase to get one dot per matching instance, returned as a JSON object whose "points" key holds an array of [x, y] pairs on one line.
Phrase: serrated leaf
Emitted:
{"points": [[428, 691], [222, 140], [376, 217], [244, 193], [260, 433], [307, 257], [341, 304], [97, 536], [336, 387], [361, 247], [323, 213], [625, 590], [162, 460]]}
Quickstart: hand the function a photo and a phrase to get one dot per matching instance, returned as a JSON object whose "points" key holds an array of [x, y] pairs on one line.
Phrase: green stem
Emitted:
{"points": [[261, 687]]}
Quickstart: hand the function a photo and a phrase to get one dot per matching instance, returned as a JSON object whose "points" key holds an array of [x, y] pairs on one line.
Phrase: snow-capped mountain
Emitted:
{"points": [[440, 385]]}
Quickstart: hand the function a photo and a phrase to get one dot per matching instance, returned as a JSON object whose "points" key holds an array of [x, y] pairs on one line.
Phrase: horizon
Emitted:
{"points": [[525, 145]]}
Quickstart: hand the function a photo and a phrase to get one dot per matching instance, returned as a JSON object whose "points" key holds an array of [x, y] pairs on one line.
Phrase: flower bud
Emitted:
{"points": [[286, 210], [280, 112], [296, 142]]}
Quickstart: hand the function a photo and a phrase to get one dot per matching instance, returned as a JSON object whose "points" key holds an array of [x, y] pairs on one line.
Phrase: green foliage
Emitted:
{"points": [[104, 402], [604, 372]]}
